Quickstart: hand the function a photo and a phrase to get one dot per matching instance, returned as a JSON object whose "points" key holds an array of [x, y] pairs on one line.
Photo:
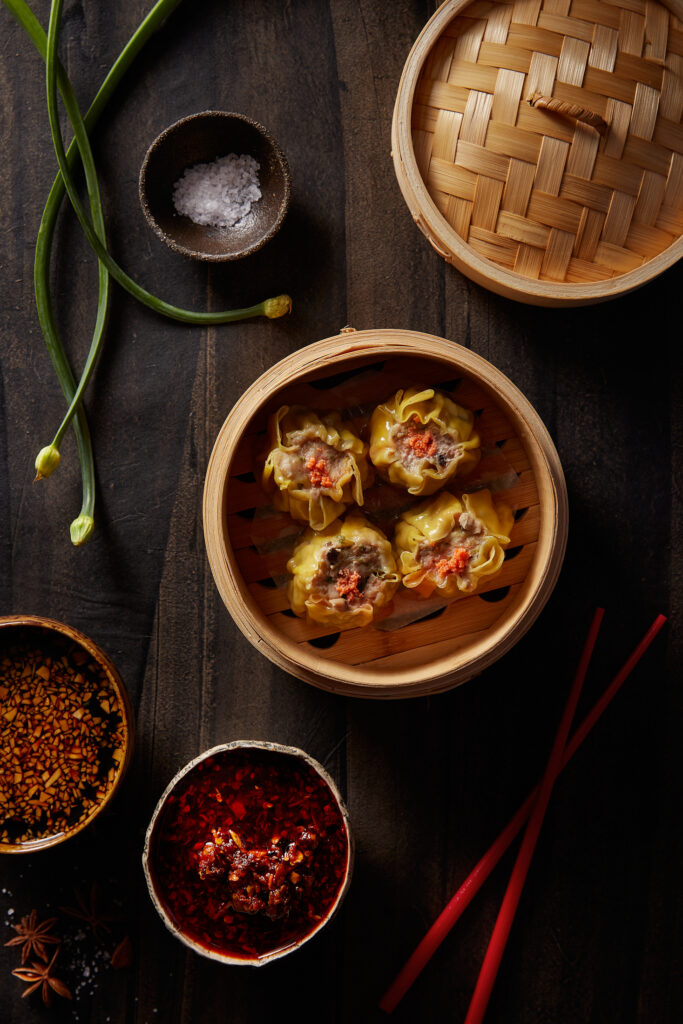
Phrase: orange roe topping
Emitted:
{"points": [[319, 473], [455, 564], [422, 443], [347, 584]]}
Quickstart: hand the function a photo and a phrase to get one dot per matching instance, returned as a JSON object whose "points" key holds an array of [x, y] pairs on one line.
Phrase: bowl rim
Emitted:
{"points": [[277, 954], [114, 677], [448, 243], [198, 254], [339, 677]]}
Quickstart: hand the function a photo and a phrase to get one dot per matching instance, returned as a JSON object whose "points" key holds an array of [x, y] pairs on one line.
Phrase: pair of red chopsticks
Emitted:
{"points": [[533, 809]]}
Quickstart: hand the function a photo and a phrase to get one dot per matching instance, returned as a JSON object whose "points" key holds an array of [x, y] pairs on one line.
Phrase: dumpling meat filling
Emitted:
{"points": [[453, 555], [450, 543], [419, 446], [420, 439], [342, 575], [349, 575], [315, 465]]}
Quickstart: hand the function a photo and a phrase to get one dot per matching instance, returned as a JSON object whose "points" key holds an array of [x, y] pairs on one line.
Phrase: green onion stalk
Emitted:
{"points": [[48, 459], [269, 307]]}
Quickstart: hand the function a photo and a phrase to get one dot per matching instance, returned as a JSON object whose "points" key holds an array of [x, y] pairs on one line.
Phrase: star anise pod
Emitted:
{"points": [[41, 976], [33, 936], [91, 912]]}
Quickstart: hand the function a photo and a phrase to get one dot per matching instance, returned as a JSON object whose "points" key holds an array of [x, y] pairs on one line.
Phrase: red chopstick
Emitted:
{"points": [[508, 908], [476, 878]]}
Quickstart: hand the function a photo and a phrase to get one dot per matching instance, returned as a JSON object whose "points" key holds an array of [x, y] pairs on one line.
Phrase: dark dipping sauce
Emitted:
{"points": [[249, 852]]}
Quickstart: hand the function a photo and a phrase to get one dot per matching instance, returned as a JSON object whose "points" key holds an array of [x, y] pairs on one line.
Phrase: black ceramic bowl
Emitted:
{"points": [[201, 139]]}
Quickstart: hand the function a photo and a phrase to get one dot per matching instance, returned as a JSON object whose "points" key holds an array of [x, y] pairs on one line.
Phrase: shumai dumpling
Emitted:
{"points": [[449, 543], [315, 465], [419, 439], [341, 575]]}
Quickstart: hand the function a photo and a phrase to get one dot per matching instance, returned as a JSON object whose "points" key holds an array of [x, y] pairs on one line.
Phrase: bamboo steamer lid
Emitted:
{"points": [[572, 200], [248, 542]]}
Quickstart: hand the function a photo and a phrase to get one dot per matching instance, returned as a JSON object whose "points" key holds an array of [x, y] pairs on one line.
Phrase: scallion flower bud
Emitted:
{"points": [[278, 306], [47, 461], [81, 529]]}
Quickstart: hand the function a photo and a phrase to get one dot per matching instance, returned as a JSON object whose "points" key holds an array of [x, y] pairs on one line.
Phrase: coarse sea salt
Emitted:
{"points": [[219, 194]]}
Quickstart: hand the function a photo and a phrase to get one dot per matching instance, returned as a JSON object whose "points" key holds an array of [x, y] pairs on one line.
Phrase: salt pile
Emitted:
{"points": [[219, 194]]}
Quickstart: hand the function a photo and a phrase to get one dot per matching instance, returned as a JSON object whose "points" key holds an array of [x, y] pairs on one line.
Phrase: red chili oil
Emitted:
{"points": [[262, 798]]}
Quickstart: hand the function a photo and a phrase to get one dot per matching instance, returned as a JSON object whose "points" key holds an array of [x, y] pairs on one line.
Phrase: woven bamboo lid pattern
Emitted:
{"points": [[527, 200]]}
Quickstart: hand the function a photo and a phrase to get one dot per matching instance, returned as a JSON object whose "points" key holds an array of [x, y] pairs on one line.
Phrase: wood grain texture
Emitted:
{"points": [[429, 782]]}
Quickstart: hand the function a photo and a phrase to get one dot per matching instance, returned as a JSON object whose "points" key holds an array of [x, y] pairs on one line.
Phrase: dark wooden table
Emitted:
{"points": [[429, 782]]}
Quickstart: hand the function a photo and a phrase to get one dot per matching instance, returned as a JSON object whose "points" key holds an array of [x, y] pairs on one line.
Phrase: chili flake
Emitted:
{"points": [[62, 737], [247, 885]]}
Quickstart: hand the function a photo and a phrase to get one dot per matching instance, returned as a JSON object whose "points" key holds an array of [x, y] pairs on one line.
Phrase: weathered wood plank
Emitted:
{"points": [[429, 782]]}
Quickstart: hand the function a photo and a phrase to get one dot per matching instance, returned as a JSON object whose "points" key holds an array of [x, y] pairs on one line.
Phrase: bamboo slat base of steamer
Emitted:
{"points": [[415, 645]]}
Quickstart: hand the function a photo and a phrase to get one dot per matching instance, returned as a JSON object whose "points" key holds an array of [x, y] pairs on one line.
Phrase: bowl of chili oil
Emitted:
{"points": [[249, 853]]}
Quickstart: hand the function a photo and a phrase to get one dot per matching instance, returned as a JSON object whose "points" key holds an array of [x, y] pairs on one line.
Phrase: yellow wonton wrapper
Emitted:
{"points": [[430, 407], [434, 521], [288, 428], [305, 592]]}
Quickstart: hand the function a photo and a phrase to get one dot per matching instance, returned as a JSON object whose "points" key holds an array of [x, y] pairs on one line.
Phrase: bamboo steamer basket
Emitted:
{"points": [[248, 542], [530, 201]]}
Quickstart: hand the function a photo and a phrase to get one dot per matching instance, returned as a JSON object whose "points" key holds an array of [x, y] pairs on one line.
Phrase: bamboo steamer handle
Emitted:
{"points": [[571, 110]]}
